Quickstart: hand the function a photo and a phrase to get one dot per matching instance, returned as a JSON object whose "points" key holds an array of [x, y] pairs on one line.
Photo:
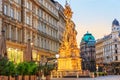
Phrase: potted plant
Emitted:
{"points": [[40, 71], [47, 70], [20, 70], [3, 65], [32, 70]]}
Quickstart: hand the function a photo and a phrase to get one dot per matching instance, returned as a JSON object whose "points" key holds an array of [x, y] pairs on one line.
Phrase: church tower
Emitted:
{"points": [[115, 28]]}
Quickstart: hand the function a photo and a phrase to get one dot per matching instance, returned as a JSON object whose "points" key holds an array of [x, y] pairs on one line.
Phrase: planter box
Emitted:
{"points": [[3, 77], [32, 77], [48, 77], [26, 77], [92, 75], [35, 77], [19, 78], [11, 78]]}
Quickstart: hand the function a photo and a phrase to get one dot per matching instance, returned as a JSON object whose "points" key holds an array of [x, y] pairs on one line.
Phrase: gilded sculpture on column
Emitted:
{"points": [[69, 59]]}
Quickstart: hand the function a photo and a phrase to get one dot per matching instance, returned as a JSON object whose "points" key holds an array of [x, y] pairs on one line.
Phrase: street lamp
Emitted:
{"points": [[57, 56], [97, 69]]}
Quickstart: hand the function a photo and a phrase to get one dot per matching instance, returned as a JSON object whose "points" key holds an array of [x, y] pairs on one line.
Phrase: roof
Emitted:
{"points": [[115, 22], [88, 37]]}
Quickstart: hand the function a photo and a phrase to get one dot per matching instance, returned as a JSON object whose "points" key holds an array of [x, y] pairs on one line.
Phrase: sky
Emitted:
{"points": [[94, 16]]}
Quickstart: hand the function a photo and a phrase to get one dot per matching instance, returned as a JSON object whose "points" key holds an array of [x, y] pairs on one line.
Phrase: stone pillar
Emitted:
{"points": [[25, 35], [8, 13], [16, 34], [15, 16], [0, 25], [43, 77], [60, 74], [77, 74], [57, 75], [10, 32], [51, 75]]}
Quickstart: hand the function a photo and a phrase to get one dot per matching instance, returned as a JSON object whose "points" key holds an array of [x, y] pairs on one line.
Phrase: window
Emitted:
{"points": [[39, 12], [13, 33], [12, 12], [28, 20], [19, 35], [19, 2], [28, 5], [116, 58], [116, 51], [19, 16], [5, 9], [115, 45]]}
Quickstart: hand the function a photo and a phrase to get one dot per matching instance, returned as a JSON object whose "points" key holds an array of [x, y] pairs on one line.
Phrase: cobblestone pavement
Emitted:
{"points": [[110, 77]]}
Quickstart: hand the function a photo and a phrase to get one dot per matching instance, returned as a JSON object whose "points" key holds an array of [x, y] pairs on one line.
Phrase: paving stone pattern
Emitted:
{"points": [[110, 77]]}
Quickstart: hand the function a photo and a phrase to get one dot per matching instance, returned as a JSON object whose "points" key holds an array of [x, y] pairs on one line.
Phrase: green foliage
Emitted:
{"points": [[20, 68], [27, 68], [9, 68], [100, 73], [32, 68], [3, 65]]}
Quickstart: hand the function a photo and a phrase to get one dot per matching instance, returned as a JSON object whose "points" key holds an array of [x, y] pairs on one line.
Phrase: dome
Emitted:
{"points": [[88, 37], [115, 22]]}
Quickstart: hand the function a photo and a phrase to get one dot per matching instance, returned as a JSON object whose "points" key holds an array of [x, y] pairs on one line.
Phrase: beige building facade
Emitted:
{"points": [[99, 52], [36, 20]]}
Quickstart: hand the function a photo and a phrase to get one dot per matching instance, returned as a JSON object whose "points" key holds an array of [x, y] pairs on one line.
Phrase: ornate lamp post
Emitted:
{"points": [[57, 56]]}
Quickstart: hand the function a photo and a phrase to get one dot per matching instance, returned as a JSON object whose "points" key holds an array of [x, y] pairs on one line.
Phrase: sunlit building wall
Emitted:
{"points": [[61, 22], [99, 51], [111, 49], [36, 20]]}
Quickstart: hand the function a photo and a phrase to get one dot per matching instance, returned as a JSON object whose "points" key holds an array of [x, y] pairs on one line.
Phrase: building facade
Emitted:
{"points": [[111, 49], [99, 51], [61, 22], [87, 52], [36, 20]]}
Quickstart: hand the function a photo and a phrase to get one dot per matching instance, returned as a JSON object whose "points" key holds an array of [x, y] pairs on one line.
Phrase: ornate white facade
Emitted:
{"points": [[112, 44], [111, 49]]}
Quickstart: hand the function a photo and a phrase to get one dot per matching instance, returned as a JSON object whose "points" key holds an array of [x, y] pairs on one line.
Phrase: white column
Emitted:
{"points": [[77, 75], [57, 75]]}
